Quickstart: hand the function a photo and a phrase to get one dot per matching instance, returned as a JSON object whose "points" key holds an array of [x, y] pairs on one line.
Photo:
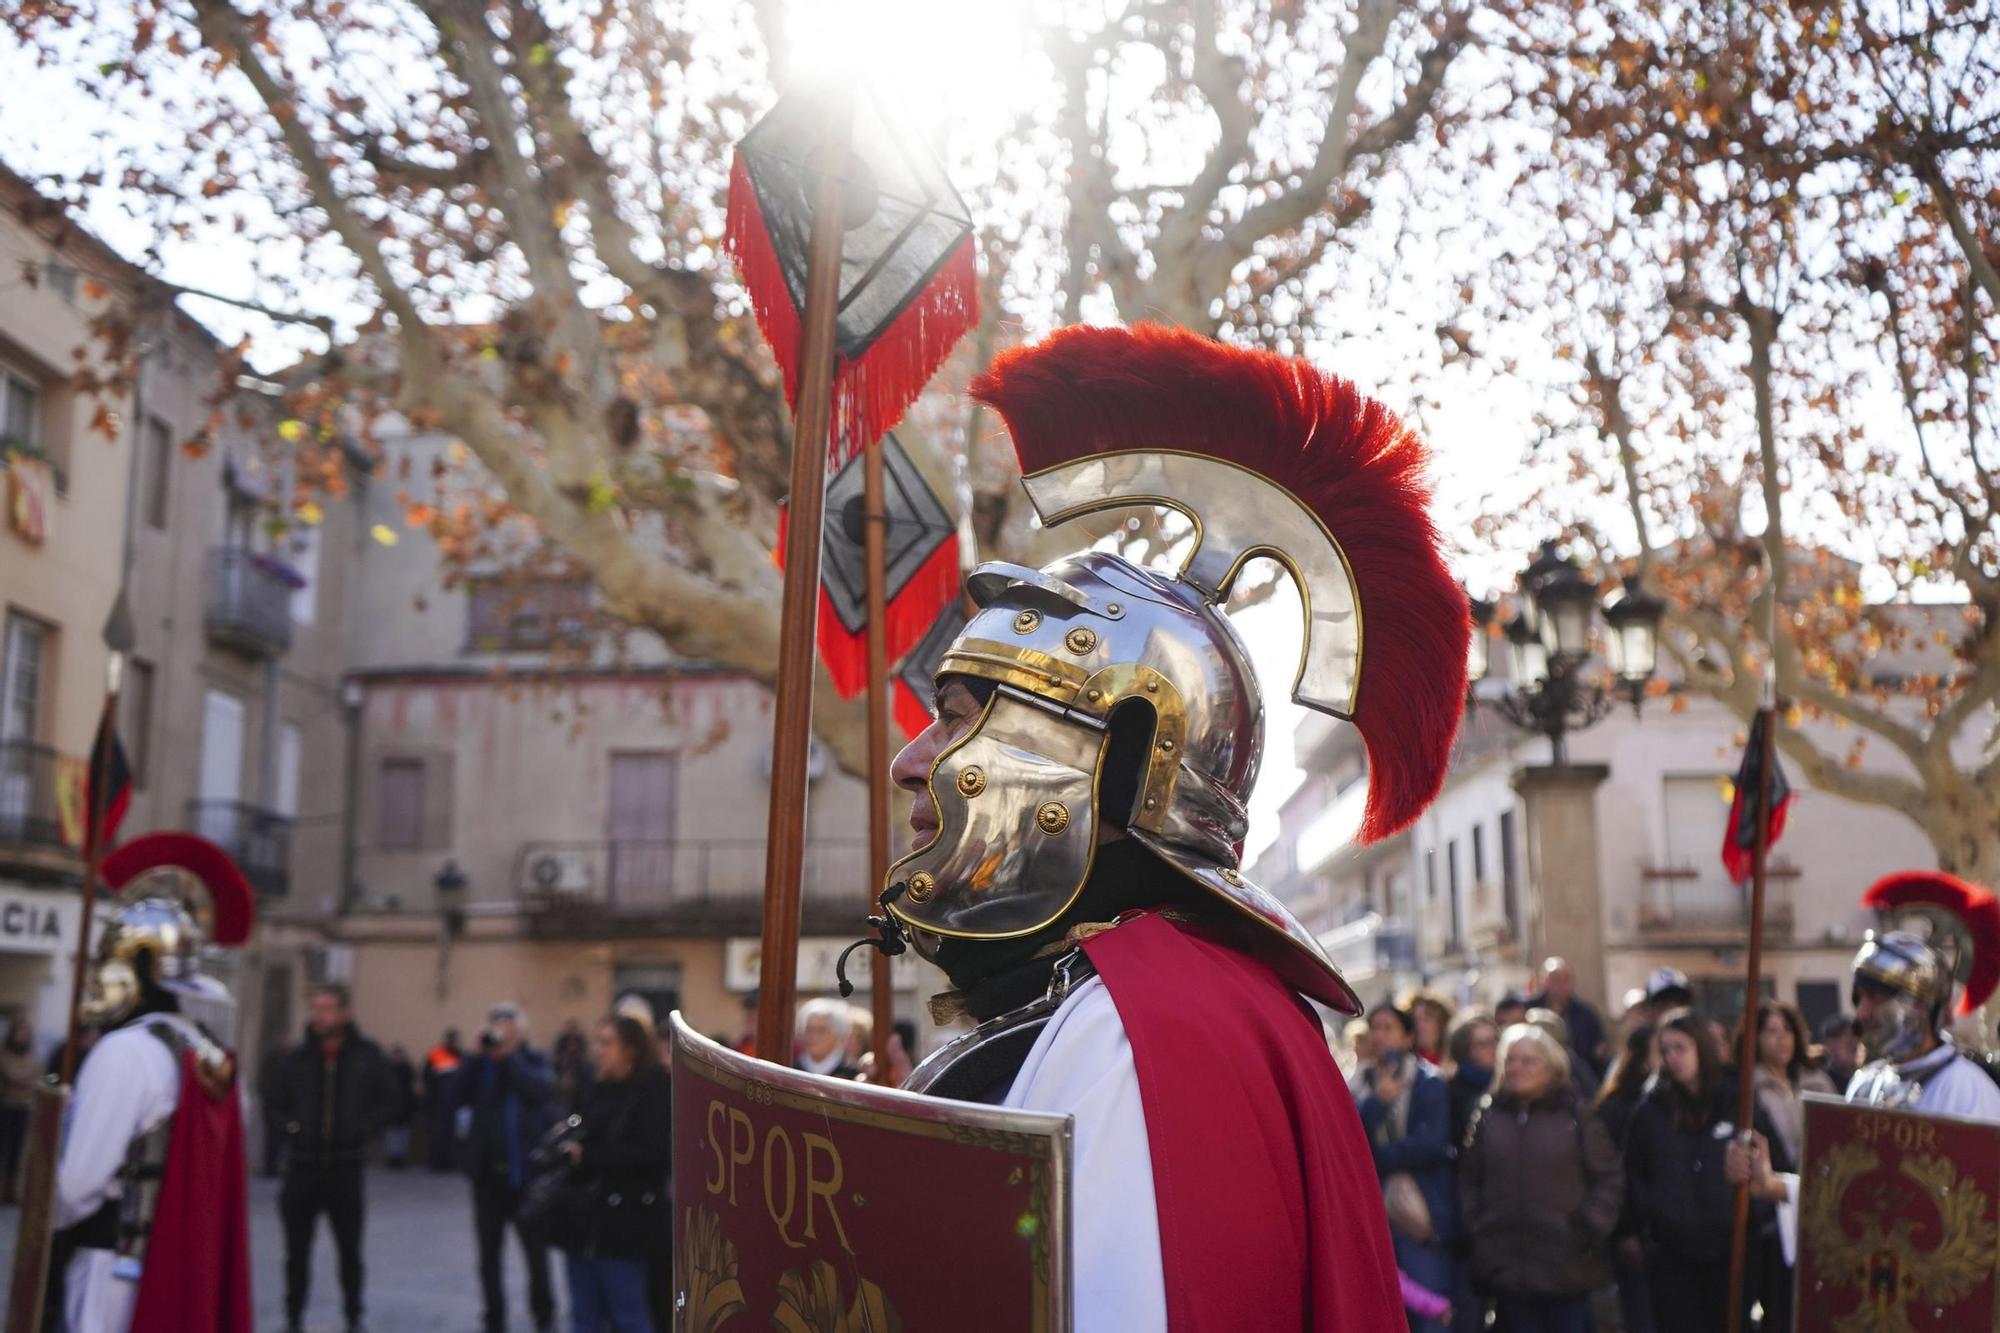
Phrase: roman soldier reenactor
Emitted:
{"points": [[1081, 804], [1903, 986], [150, 1190]]}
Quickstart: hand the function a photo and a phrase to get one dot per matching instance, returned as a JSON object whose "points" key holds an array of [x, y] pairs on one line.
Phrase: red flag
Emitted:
{"points": [[1739, 843]]}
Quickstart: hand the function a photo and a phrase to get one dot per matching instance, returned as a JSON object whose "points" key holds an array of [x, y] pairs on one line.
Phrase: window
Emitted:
{"points": [[1457, 900], [641, 824], [305, 563], [62, 281], [159, 464], [137, 702], [20, 410], [1430, 875], [1697, 816], [23, 658], [1479, 853], [526, 614], [1510, 875], [399, 805], [285, 800]]}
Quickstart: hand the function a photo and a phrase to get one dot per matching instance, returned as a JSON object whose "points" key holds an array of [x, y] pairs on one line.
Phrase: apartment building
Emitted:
{"points": [[545, 816], [63, 453], [1454, 901]]}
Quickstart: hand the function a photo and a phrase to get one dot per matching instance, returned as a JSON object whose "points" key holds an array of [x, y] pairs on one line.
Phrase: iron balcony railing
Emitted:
{"points": [[30, 811], [259, 839], [716, 881], [249, 602], [1701, 900]]}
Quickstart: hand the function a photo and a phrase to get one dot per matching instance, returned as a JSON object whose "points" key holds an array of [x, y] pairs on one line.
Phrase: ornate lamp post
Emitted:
{"points": [[1553, 692], [1549, 647]]}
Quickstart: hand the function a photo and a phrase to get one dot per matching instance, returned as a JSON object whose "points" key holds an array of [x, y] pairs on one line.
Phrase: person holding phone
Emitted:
{"points": [[505, 1102], [1406, 1110]]}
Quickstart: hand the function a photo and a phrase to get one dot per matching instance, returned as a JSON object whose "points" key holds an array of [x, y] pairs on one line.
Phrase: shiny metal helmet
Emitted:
{"points": [[1897, 960], [176, 893], [1265, 457], [1945, 932]]}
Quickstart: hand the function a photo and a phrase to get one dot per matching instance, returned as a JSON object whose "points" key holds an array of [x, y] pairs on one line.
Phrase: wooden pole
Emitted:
{"points": [[874, 540], [791, 735], [1746, 1055], [93, 860]]}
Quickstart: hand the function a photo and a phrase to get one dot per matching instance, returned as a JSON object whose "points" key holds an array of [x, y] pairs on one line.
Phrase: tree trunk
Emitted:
{"points": [[1967, 843]]}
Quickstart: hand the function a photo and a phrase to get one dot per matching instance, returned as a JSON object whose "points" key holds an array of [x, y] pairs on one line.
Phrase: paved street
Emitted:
{"points": [[421, 1264]]}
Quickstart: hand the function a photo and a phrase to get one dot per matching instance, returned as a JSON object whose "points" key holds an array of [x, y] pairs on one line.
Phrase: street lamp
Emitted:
{"points": [[1550, 644], [449, 884], [1633, 648]]}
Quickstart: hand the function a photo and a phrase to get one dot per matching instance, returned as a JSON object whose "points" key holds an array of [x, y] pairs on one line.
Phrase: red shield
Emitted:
{"points": [[816, 1205], [1899, 1221]]}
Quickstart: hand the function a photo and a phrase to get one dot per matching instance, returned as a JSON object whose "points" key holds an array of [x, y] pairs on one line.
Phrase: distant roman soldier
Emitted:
{"points": [[1082, 799], [151, 1189], [1904, 981]]}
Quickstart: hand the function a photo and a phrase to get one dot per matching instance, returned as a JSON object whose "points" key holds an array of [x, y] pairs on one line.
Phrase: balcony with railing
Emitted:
{"points": [[249, 602], [1699, 904], [259, 839], [31, 822], [700, 885]]}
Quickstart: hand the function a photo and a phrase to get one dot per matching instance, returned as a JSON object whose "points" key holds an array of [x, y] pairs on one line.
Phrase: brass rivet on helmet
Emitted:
{"points": [[1152, 687], [1113, 609], [1152, 803], [1052, 817], [1080, 640], [972, 781], [1231, 878], [1167, 744], [1025, 622], [922, 885]]}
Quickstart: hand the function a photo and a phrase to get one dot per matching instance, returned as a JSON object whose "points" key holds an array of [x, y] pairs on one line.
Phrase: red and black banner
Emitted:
{"points": [[909, 282], [920, 574], [1739, 844], [107, 784]]}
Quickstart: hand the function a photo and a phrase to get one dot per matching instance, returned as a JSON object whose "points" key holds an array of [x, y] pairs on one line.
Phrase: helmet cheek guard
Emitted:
{"points": [[1017, 825]]}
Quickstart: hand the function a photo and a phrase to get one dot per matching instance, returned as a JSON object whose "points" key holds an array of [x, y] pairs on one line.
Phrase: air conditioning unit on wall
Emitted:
{"points": [[556, 873]]}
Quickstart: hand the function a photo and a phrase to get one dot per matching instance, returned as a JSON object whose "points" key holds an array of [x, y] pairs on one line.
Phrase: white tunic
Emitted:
{"points": [[130, 1082], [1081, 1064]]}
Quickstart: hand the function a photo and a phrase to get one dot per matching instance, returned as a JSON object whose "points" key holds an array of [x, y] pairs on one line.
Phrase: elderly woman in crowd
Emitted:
{"points": [[821, 1034], [1540, 1188]]}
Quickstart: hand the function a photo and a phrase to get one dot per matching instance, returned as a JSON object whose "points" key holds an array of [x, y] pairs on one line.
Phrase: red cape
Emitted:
{"points": [[197, 1273], [1270, 1213]]}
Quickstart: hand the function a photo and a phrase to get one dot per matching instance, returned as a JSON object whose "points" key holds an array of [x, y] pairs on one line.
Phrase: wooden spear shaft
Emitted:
{"points": [[93, 859], [1746, 1055], [791, 737], [874, 539]]}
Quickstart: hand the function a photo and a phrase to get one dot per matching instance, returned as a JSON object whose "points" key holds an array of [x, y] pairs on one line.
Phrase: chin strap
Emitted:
{"points": [[891, 938]]}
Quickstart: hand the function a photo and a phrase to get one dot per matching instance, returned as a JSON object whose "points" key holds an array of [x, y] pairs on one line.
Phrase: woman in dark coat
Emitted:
{"points": [[621, 1154], [1540, 1188], [1676, 1174]]}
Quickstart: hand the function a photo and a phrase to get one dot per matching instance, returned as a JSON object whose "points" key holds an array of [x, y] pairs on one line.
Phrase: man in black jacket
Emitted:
{"points": [[332, 1096]]}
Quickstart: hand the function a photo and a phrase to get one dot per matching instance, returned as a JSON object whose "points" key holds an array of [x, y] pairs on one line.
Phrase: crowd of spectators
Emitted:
{"points": [[1550, 1175]]}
